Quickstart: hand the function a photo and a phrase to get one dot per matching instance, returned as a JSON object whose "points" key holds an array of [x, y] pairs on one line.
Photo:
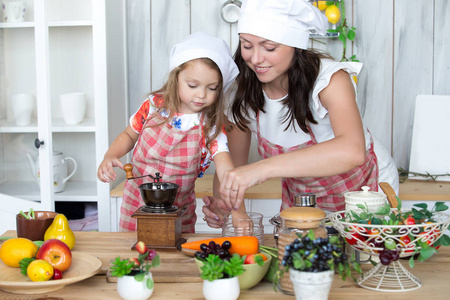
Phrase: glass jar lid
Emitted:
{"points": [[303, 217]]}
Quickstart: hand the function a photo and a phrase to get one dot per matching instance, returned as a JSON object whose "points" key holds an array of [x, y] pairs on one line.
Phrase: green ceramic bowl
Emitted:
{"points": [[253, 274]]}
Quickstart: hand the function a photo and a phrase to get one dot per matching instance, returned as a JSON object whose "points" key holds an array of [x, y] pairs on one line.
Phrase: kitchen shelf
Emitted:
{"points": [[17, 25], [75, 191]]}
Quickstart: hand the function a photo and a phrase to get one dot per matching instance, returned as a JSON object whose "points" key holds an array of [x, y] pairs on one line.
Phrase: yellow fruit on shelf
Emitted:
{"points": [[60, 230], [14, 250], [40, 270], [333, 14], [321, 5], [355, 79]]}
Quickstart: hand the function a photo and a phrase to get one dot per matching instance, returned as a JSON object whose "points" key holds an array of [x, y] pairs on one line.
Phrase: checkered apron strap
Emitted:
{"points": [[176, 155], [329, 190]]}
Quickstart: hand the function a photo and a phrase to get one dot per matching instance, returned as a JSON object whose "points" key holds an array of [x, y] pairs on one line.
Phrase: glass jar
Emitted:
{"points": [[297, 220], [246, 226]]}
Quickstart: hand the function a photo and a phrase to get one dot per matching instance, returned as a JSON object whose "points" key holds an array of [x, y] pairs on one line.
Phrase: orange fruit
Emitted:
{"points": [[40, 270], [14, 250], [333, 14]]}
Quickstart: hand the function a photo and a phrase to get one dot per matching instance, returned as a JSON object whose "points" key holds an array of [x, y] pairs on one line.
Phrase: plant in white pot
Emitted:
{"points": [[312, 264], [221, 275], [135, 281]]}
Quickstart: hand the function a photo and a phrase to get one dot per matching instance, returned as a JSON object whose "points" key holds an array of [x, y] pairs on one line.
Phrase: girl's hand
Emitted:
{"points": [[242, 223], [105, 171]]}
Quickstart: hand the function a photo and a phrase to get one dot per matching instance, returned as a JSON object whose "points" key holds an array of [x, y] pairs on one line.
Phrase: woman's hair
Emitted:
{"points": [[213, 114], [302, 74]]}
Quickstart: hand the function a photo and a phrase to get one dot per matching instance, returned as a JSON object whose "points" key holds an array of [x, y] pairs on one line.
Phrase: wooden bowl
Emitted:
{"points": [[34, 229]]}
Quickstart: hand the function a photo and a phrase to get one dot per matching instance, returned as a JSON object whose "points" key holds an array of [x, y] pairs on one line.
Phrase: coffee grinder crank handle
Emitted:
{"points": [[128, 168]]}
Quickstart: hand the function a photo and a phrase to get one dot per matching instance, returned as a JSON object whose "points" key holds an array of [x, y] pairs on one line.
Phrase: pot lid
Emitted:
{"points": [[365, 194]]}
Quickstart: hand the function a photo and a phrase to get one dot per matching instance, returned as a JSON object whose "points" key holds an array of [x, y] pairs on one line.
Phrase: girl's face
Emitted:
{"points": [[198, 86], [269, 60]]}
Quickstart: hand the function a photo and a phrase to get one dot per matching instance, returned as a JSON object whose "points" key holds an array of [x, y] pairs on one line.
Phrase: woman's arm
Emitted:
{"points": [[338, 155], [123, 144]]}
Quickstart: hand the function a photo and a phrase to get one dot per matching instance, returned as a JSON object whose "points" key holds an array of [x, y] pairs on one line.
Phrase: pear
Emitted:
{"points": [[60, 230]]}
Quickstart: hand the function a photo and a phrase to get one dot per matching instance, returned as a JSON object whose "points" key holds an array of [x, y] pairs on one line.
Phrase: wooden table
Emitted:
{"points": [[177, 277]]}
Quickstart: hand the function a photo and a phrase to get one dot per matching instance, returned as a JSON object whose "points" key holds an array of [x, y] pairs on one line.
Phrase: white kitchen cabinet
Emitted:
{"points": [[62, 46]]}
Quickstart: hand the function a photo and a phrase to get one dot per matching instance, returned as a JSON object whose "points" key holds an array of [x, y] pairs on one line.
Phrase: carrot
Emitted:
{"points": [[242, 245]]}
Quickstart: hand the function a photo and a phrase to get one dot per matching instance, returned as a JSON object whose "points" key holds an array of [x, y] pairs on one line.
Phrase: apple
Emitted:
{"points": [[57, 253], [257, 258], [141, 247]]}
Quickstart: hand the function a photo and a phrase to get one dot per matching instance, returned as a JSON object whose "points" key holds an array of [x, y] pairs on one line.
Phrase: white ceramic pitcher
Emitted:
{"points": [[60, 176]]}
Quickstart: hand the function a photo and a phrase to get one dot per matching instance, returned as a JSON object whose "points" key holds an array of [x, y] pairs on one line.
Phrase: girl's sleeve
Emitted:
{"points": [[138, 119], [220, 144]]}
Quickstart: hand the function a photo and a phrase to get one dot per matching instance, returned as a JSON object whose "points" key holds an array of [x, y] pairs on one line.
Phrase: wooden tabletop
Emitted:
{"points": [[177, 277], [419, 190]]}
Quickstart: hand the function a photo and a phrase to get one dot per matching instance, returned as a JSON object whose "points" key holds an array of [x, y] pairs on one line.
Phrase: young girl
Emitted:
{"points": [[178, 130], [301, 105]]}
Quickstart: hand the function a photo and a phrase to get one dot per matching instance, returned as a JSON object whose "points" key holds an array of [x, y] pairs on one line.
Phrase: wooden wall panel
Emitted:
{"points": [[170, 24], [374, 48], [441, 74], [413, 68], [138, 52]]}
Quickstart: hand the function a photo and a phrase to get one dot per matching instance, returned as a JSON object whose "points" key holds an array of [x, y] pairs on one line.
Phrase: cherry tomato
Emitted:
{"points": [[57, 274], [410, 221], [405, 241], [356, 234]]}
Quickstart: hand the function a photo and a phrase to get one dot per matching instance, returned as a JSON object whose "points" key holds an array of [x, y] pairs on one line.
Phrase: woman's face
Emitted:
{"points": [[269, 60], [198, 86]]}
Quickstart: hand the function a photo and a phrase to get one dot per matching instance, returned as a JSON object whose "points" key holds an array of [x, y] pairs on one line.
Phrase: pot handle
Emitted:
{"points": [[74, 168]]}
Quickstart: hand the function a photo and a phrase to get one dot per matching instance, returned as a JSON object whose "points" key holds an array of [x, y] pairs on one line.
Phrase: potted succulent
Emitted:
{"points": [[220, 271], [135, 281], [312, 263]]}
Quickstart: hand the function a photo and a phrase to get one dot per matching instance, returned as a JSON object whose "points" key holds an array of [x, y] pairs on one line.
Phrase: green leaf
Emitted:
{"points": [[444, 240], [342, 38], [421, 205], [440, 206], [23, 264], [139, 277], [426, 253], [351, 35], [411, 262], [150, 283], [156, 261]]}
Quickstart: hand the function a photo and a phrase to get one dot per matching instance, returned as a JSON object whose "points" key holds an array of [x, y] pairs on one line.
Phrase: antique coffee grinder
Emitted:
{"points": [[158, 221]]}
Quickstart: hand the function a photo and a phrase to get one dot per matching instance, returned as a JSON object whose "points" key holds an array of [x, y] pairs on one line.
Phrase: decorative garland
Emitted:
{"points": [[403, 175]]}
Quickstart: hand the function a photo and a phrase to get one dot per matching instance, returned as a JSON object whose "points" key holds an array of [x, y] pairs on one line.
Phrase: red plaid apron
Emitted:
{"points": [[176, 155], [329, 190]]}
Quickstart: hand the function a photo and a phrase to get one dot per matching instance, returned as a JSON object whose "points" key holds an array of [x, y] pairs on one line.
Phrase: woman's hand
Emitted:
{"points": [[105, 172]]}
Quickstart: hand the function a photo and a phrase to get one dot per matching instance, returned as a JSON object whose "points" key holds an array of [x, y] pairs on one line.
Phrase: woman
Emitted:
{"points": [[302, 107]]}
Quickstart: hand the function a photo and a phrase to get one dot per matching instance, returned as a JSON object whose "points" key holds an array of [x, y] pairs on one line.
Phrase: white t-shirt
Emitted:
{"points": [[273, 129]]}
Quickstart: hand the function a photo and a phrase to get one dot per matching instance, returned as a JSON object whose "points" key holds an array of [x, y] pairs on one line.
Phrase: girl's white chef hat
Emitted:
{"points": [[199, 45], [287, 22]]}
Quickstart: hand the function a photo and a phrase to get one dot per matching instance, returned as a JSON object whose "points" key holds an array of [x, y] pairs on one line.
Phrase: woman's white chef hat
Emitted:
{"points": [[287, 22], [199, 45]]}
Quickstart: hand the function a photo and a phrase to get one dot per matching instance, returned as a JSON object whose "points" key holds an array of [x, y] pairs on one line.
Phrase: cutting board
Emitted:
{"points": [[430, 145]]}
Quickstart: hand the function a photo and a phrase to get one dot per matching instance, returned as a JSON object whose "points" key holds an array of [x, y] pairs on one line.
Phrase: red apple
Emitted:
{"points": [[57, 253], [141, 247]]}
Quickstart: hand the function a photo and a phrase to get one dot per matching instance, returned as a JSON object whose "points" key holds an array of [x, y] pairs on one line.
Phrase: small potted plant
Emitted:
{"points": [[219, 271], [312, 262], [135, 281]]}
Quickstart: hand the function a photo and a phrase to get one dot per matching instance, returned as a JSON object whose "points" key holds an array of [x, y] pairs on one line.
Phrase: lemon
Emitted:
{"points": [[14, 250], [321, 5], [40, 270], [333, 14]]}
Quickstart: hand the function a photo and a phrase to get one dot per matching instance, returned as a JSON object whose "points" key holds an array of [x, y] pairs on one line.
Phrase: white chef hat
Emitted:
{"points": [[287, 22], [200, 45]]}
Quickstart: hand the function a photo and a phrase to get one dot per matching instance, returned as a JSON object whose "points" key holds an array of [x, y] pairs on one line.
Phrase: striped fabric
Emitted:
{"points": [[329, 190], [176, 155]]}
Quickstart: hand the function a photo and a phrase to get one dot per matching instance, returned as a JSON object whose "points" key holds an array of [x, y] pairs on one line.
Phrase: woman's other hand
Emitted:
{"points": [[214, 210]]}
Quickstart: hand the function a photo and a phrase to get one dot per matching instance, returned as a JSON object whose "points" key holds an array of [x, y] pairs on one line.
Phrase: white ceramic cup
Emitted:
{"points": [[22, 107], [13, 11], [73, 107]]}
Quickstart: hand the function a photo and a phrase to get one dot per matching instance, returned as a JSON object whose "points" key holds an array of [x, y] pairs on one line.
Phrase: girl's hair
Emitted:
{"points": [[213, 114], [302, 74]]}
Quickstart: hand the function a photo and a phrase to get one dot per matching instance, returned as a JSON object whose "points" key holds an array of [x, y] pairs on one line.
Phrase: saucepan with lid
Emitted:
{"points": [[158, 196]]}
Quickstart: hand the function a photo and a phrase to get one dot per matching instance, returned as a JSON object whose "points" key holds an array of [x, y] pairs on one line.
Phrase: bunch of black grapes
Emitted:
{"points": [[316, 255], [214, 248]]}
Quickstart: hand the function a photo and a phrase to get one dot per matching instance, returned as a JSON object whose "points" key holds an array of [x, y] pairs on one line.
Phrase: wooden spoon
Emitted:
{"points": [[390, 193]]}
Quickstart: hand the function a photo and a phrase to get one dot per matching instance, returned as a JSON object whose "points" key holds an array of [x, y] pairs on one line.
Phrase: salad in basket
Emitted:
{"points": [[394, 233]]}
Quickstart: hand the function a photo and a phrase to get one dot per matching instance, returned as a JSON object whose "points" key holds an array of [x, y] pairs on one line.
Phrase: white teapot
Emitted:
{"points": [[59, 170]]}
